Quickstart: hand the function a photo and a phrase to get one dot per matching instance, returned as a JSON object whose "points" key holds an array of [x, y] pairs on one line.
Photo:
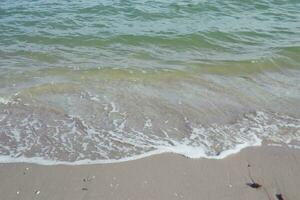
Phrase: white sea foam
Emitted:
{"points": [[186, 151], [4, 100], [77, 141], [148, 123]]}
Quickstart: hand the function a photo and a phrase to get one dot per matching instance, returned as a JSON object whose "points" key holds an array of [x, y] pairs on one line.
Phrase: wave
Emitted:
{"points": [[48, 136]]}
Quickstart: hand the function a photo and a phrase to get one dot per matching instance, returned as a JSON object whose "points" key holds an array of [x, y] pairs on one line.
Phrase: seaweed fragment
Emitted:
{"points": [[279, 196], [253, 184]]}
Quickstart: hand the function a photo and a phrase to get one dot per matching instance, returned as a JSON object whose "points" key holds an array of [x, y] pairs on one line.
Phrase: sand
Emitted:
{"points": [[166, 176]]}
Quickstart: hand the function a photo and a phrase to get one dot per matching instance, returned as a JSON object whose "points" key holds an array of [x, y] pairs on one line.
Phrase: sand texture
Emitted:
{"points": [[166, 176]]}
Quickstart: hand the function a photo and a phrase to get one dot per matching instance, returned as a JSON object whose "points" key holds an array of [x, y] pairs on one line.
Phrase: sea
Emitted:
{"points": [[105, 81]]}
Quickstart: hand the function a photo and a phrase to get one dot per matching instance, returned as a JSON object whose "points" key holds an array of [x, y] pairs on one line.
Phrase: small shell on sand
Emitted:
{"points": [[37, 192]]}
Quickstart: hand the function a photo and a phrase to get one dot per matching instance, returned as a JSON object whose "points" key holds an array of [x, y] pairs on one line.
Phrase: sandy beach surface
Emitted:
{"points": [[166, 176]]}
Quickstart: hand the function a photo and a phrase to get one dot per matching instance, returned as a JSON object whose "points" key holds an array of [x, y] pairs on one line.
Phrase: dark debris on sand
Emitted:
{"points": [[279, 197], [254, 185]]}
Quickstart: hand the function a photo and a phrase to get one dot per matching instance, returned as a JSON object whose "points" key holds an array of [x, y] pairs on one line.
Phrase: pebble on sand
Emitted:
{"points": [[37, 192]]}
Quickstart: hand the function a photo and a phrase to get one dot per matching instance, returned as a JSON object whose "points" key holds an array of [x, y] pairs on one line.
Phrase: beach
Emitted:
{"points": [[166, 176], [149, 100]]}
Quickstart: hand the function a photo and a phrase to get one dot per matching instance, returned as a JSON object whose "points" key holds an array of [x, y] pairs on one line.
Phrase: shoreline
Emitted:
{"points": [[163, 176], [44, 162]]}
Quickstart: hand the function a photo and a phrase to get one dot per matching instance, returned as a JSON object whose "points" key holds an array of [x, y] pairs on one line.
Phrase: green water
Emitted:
{"points": [[102, 80], [148, 34]]}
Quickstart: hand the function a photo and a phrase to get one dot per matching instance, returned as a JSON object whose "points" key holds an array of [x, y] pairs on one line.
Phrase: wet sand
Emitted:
{"points": [[166, 176]]}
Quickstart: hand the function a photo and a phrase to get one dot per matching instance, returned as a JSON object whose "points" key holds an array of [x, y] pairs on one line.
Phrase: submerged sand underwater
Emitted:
{"points": [[104, 116]]}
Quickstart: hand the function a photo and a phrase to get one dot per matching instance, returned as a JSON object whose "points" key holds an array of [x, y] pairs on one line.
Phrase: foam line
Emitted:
{"points": [[187, 151]]}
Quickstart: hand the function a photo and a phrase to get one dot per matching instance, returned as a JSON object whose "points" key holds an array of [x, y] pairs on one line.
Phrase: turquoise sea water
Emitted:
{"points": [[147, 34], [109, 80]]}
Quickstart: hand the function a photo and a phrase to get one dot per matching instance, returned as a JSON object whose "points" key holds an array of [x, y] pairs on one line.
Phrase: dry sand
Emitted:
{"points": [[166, 176]]}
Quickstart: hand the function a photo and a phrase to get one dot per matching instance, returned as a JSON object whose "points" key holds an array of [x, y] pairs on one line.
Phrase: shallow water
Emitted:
{"points": [[117, 80]]}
